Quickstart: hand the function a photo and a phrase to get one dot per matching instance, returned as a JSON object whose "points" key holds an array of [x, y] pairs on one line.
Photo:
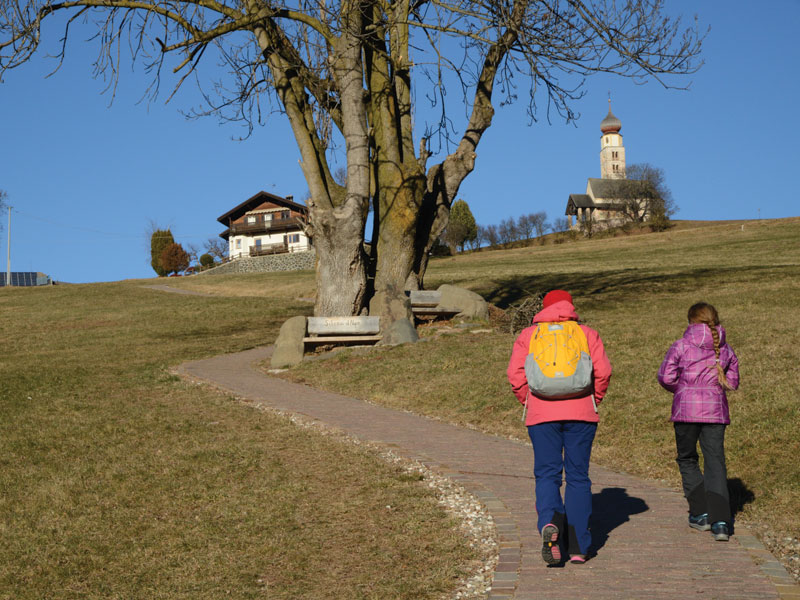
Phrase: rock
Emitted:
{"points": [[468, 304], [393, 307], [401, 331], [289, 345]]}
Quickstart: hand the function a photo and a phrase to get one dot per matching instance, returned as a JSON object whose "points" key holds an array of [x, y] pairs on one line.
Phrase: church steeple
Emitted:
{"points": [[612, 151]]}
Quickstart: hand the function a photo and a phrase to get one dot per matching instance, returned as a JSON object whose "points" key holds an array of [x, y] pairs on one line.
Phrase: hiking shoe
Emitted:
{"points": [[699, 522], [720, 531], [551, 551]]}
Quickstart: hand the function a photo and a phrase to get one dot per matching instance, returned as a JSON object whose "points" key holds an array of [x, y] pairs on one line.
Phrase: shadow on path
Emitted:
{"points": [[611, 508]]}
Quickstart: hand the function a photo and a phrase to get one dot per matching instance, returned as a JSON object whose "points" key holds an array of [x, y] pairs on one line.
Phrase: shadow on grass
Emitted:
{"points": [[611, 508], [511, 290], [740, 495]]}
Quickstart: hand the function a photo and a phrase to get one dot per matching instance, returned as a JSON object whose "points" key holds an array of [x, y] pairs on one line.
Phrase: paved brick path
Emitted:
{"points": [[646, 550]]}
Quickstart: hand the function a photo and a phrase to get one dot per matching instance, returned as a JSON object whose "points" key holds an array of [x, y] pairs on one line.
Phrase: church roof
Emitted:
{"points": [[581, 200], [613, 189], [610, 124]]}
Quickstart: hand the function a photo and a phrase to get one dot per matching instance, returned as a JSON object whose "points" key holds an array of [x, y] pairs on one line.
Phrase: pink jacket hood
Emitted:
{"points": [[559, 311], [699, 334]]}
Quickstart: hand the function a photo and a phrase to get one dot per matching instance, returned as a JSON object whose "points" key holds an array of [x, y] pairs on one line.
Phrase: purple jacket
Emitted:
{"points": [[689, 371]]}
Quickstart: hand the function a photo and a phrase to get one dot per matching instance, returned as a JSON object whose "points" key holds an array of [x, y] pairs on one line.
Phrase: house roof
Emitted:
{"points": [[254, 201]]}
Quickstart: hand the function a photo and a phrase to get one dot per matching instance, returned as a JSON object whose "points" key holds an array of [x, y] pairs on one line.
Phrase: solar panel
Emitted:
{"points": [[25, 279]]}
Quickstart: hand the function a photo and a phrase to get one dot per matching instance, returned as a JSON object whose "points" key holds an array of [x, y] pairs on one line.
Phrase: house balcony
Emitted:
{"points": [[266, 249], [265, 226]]}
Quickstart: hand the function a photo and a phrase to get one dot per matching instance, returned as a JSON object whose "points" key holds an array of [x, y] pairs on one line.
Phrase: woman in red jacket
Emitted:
{"points": [[562, 432]]}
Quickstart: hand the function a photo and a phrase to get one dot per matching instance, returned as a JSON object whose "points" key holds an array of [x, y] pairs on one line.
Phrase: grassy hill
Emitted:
{"points": [[117, 480], [635, 290]]}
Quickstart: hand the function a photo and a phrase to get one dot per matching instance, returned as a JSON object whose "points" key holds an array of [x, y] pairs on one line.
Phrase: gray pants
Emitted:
{"points": [[706, 492]]}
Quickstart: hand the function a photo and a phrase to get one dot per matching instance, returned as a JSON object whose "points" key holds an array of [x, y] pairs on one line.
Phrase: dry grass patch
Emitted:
{"points": [[286, 285], [119, 481]]}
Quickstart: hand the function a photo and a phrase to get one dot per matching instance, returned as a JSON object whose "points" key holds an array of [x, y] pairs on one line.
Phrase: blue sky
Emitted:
{"points": [[86, 179]]}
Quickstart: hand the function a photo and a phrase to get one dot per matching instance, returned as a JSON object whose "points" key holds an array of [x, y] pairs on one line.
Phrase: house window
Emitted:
{"points": [[267, 217], [251, 219], [258, 243], [238, 244], [292, 238]]}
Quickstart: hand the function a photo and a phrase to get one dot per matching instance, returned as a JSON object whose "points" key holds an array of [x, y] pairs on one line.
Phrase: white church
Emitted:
{"points": [[606, 197]]}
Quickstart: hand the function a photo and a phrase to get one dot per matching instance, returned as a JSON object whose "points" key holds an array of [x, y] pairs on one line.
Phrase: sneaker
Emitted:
{"points": [[577, 559], [699, 522], [551, 551], [720, 531]]}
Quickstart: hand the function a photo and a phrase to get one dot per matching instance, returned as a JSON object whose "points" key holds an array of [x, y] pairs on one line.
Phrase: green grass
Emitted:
{"points": [[117, 480], [635, 291]]}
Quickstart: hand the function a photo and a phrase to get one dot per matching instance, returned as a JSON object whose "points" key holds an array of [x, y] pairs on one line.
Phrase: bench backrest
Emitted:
{"points": [[343, 325], [425, 297]]}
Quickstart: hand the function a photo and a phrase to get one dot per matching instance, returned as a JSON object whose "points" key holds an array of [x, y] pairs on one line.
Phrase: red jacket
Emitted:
{"points": [[574, 409]]}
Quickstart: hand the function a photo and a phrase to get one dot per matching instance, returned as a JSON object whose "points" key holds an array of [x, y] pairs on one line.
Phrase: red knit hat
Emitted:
{"points": [[555, 296]]}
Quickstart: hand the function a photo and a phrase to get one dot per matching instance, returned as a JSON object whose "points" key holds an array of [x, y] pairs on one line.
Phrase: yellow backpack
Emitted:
{"points": [[558, 365]]}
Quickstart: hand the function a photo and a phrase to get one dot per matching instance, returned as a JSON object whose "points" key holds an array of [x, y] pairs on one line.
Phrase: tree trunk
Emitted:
{"points": [[341, 261], [399, 211]]}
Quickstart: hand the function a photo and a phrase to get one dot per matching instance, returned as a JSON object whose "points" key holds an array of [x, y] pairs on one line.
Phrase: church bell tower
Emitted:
{"points": [[612, 152]]}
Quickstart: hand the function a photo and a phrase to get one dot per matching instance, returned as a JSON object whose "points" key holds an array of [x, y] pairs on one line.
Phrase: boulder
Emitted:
{"points": [[289, 345], [468, 304], [401, 331]]}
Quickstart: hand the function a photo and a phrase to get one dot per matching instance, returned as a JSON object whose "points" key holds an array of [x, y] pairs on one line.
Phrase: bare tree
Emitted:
{"points": [[645, 195], [480, 238], [657, 205], [193, 250], [560, 224], [525, 227], [491, 235], [540, 224], [345, 70], [216, 247], [507, 230]]}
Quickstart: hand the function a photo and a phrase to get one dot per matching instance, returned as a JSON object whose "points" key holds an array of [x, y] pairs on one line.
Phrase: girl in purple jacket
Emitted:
{"points": [[699, 368]]}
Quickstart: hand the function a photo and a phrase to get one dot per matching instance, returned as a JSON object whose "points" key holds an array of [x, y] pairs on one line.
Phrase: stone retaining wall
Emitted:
{"points": [[292, 261]]}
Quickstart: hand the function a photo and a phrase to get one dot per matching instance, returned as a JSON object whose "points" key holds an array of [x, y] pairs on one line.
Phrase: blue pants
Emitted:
{"points": [[564, 446]]}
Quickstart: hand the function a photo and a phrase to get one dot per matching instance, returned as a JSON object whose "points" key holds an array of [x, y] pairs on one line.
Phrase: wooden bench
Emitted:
{"points": [[342, 331], [425, 303]]}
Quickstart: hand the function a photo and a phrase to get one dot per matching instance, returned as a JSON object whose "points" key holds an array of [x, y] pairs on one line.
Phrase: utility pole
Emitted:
{"points": [[8, 251]]}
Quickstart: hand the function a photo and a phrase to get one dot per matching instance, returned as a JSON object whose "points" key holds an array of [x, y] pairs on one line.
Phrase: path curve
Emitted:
{"points": [[646, 549]]}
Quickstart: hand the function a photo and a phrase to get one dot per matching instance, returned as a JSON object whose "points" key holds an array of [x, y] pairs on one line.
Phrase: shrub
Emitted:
{"points": [[159, 240], [174, 259], [206, 260]]}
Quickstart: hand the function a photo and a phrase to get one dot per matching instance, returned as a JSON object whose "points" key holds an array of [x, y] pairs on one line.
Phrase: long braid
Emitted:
{"points": [[723, 381], [707, 314]]}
